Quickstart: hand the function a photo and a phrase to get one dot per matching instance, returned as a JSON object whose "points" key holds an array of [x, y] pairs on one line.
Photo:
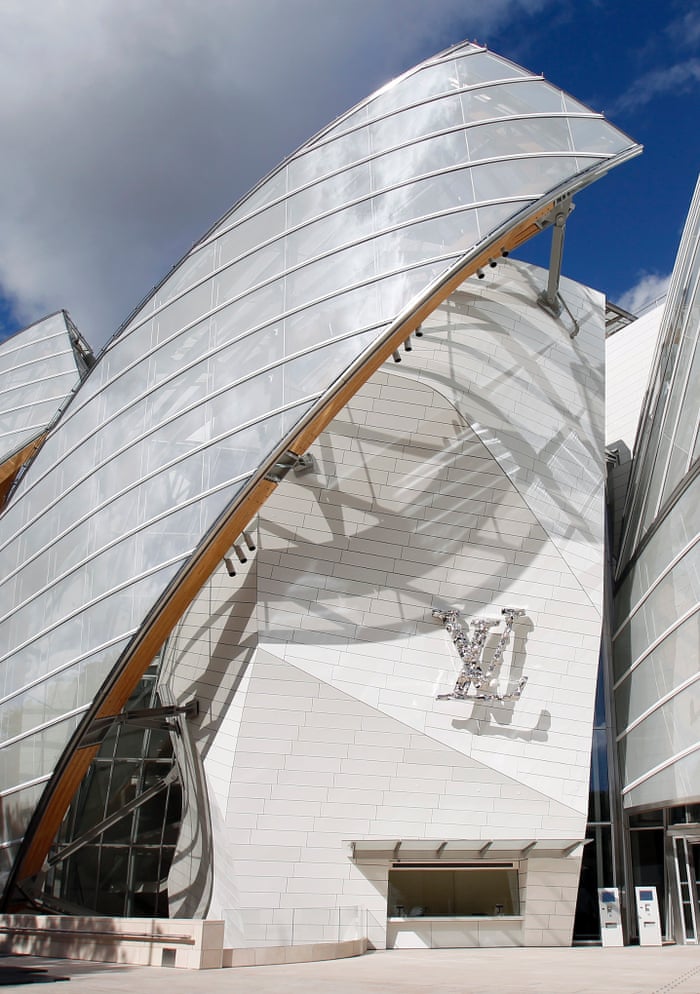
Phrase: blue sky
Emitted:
{"points": [[129, 127]]}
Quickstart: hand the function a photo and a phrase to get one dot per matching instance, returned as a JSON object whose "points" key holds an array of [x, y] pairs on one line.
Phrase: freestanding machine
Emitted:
{"points": [[610, 916], [648, 916]]}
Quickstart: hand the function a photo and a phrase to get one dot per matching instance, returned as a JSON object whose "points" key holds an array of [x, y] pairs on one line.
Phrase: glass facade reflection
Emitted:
{"points": [[657, 611], [657, 602], [39, 369]]}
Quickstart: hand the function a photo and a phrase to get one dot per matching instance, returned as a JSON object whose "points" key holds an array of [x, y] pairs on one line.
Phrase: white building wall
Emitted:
{"points": [[628, 357], [629, 354], [426, 494]]}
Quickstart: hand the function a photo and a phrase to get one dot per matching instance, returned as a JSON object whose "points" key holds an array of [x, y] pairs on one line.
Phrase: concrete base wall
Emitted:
{"points": [[187, 944], [192, 945], [309, 953]]}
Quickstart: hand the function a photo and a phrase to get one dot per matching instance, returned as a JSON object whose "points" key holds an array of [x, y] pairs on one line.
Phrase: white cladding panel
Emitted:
{"points": [[628, 357]]}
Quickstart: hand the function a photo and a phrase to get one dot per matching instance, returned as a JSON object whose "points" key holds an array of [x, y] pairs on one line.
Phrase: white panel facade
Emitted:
{"points": [[629, 354], [470, 476]]}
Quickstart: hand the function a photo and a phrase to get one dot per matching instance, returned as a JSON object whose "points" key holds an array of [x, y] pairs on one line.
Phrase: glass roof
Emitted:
{"points": [[250, 337]]}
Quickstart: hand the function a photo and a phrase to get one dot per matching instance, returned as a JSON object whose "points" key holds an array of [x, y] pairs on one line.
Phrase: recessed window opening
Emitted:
{"points": [[449, 892]]}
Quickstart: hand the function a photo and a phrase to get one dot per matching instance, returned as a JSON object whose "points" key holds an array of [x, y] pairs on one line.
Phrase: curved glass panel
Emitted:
{"points": [[661, 540], [13, 805], [667, 731], [670, 600], [670, 420], [679, 779], [677, 530], [39, 367], [252, 333], [672, 662]]}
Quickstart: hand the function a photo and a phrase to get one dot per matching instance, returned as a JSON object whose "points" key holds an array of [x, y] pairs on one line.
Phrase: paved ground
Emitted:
{"points": [[670, 970]]}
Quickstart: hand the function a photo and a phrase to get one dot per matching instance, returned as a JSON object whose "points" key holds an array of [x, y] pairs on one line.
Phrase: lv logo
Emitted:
{"points": [[470, 648]]}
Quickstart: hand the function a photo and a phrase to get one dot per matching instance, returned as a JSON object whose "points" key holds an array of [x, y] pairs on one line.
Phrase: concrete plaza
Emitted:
{"points": [[632, 970]]}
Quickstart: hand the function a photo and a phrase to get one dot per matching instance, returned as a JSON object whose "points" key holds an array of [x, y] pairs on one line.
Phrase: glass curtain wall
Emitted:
{"points": [[657, 612], [132, 790]]}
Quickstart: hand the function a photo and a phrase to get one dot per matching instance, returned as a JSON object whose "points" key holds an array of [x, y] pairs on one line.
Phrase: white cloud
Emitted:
{"points": [[129, 127], [684, 31], [649, 288], [678, 78]]}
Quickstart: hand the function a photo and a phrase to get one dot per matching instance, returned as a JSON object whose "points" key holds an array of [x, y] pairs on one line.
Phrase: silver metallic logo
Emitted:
{"points": [[470, 648]]}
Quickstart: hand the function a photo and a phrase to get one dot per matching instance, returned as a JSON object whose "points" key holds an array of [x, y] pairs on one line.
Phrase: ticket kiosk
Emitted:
{"points": [[648, 916], [610, 916]]}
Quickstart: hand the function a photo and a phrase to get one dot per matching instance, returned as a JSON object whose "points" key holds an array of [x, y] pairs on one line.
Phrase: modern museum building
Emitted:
{"points": [[331, 610]]}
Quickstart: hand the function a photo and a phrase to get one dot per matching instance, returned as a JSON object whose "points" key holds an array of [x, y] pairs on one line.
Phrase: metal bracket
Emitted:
{"points": [[556, 219], [305, 464], [574, 846], [283, 465], [290, 460], [113, 819], [240, 552], [158, 718]]}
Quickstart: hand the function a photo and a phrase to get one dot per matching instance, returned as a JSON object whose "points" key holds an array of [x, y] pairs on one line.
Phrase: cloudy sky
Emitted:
{"points": [[130, 126]]}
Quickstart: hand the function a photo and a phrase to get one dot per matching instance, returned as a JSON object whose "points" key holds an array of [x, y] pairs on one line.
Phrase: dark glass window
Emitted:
{"points": [[648, 862], [596, 871], [647, 819], [123, 869], [599, 796], [684, 814]]}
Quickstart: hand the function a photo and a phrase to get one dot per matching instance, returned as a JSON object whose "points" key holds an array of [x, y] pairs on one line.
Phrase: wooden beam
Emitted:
{"points": [[11, 467]]}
